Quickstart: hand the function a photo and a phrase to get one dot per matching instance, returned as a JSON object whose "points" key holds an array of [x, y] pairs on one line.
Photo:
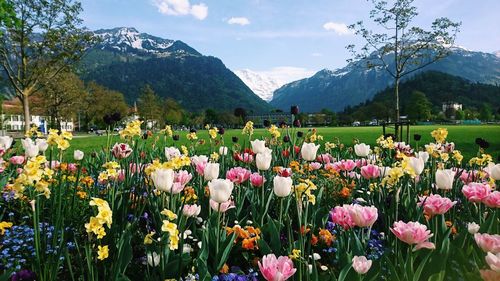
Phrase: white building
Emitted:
{"points": [[451, 105], [15, 122]]}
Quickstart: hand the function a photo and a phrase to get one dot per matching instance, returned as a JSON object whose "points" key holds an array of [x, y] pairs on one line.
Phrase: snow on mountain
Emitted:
{"points": [[128, 39], [261, 84]]}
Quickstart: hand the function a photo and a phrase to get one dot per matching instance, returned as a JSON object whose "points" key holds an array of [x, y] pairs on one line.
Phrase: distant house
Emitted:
{"points": [[273, 117], [451, 105]]}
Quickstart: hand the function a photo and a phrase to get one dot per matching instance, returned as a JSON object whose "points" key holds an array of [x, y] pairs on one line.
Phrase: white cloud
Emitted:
{"points": [[339, 28], [181, 8], [238, 20]]}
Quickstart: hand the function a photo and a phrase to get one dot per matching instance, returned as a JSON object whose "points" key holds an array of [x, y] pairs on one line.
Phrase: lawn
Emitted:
{"points": [[463, 137]]}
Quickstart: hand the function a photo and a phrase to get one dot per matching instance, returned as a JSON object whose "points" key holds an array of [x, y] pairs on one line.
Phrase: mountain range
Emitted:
{"points": [[261, 84], [126, 60], [354, 83]]}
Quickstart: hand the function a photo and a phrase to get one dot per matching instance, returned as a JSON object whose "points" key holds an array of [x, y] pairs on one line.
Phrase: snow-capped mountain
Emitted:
{"points": [[129, 40], [262, 85], [354, 83]]}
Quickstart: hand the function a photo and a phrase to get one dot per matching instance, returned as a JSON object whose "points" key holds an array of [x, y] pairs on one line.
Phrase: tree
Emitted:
{"points": [[485, 112], [48, 39], [8, 17], [460, 115], [149, 105], [62, 97], [419, 107], [402, 49], [173, 112], [101, 102]]}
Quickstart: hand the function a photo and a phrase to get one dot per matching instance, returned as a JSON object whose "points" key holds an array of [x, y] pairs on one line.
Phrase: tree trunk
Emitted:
{"points": [[396, 92], [27, 116]]}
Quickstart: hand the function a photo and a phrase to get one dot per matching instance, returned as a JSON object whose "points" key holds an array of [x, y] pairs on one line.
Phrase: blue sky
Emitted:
{"points": [[289, 38]]}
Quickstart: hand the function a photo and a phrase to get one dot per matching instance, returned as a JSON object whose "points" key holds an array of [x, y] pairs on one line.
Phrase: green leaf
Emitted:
{"points": [[227, 246]]}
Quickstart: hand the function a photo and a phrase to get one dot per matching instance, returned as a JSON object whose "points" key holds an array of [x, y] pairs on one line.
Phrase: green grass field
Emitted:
{"points": [[463, 137]]}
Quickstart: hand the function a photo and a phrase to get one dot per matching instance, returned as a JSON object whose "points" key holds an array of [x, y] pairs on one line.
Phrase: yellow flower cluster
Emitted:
{"points": [[385, 142], [481, 161], [132, 129], [171, 229], [295, 254], [61, 139], [214, 156], [191, 136], [148, 239], [213, 133], [34, 173], [393, 177], [102, 252], [167, 131], [305, 188], [104, 217], [274, 131], [33, 132], [111, 171], [184, 150], [439, 135], [407, 168], [175, 163], [329, 146], [3, 226], [248, 129], [457, 155]]}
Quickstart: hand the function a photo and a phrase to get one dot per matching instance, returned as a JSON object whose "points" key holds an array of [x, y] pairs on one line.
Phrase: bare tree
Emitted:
{"points": [[401, 48], [48, 39]]}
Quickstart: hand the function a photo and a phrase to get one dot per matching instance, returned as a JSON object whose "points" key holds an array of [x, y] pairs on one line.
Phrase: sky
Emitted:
{"points": [[286, 39]]}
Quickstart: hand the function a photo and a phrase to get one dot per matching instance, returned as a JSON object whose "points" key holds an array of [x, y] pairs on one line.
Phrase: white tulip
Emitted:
{"points": [[42, 144], [417, 164], [362, 150], [153, 259], [282, 186], [384, 171], [172, 152], [220, 190], [258, 146], [263, 160], [495, 172], [211, 171], [78, 155], [199, 159], [6, 142], [473, 227], [308, 151], [223, 150], [30, 149], [163, 179], [444, 179], [424, 155]]}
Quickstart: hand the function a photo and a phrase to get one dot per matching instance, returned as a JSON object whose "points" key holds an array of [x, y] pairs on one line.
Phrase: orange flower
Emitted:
{"points": [[224, 269], [314, 240], [249, 243], [453, 228], [304, 230], [345, 192], [326, 237]]}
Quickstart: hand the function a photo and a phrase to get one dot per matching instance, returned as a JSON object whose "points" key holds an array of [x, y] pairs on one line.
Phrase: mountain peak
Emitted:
{"points": [[130, 40]]}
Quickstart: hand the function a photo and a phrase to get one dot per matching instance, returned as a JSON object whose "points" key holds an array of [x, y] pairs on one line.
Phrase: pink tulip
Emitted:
{"points": [[370, 171], [182, 177], [238, 175], [315, 165], [489, 275], [244, 157], [434, 204], [341, 216], [121, 150], [475, 192], [257, 180], [279, 269], [191, 210], [52, 164], [488, 242], [468, 177], [347, 165], [361, 162], [363, 216], [361, 265], [19, 171], [223, 206], [413, 233], [285, 172], [492, 200], [135, 168], [493, 261], [17, 160], [121, 175], [324, 158], [72, 167], [199, 162]]}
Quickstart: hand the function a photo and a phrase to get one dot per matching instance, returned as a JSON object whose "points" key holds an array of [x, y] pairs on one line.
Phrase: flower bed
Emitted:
{"points": [[278, 208]]}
